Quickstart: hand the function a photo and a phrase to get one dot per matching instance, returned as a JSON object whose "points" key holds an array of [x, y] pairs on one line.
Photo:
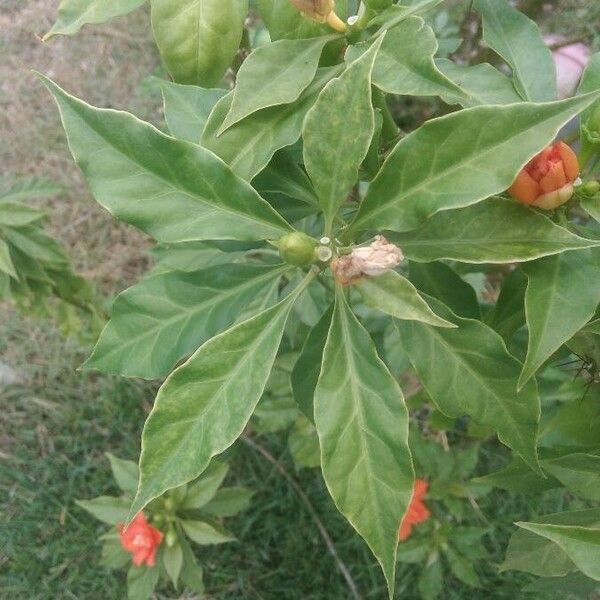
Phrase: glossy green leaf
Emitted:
{"points": [[480, 234], [205, 533], [229, 501], [187, 108], [203, 490], [518, 477], [394, 15], [579, 473], [204, 405], [442, 282], [405, 64], [74, 14], [362, 424], [125, 472], [198, 39], [562, 295], [590, 82], [463, 158], [517, 39], [167, 316], [592, 206], [248, 146], [481, 84], [107, 509], [337, 134], [580, 544], [468, 371], [171, 189], [593, 327], [173, 561], [305, 373], [394, 295], [274, 74]]}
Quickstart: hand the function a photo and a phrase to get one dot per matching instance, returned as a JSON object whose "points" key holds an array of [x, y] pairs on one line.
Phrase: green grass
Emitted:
{"points": [[54, 430]]}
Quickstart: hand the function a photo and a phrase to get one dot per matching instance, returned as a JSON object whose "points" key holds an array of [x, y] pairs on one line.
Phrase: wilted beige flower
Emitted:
{"points": [[369, 261]]}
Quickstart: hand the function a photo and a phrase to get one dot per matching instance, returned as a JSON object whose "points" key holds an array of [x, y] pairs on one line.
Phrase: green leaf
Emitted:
{"points": [[248, 146], [171, 189], [167, 316], [463, 158], [274, 414], [508, 314], [479, 234], [274, 74], [125, 472], [574, 586], [517, 39], [481, 84], [579, 473], [593, 327], [173, 561], [580, 544], [393, 15], [395, 295], [187, 108], [26, 188], [575, 424], [284, 21], [15, 214], [6, 263], [413, 550], [229, 501], [562, 296], [405, 64], [592, 206], [305, 373], [362, 424], [191, 571], [469, 371], [74, 14], [337, 133], [518, 477], [303, 443], [206, 534], [590, 82], [141, 582], [107, 509], [431, 581], [461, 568], [114, 555], [198, 39], [204, 405], [442, 282], [35, 244], [203, 490]]}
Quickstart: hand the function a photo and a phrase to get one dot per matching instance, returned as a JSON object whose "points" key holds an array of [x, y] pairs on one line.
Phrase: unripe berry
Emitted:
{"points": [[297, 249]]}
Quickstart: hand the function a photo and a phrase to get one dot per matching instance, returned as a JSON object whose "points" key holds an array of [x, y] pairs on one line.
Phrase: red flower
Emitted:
{"points": [[547, 180], [417, 511], [141, 540]]}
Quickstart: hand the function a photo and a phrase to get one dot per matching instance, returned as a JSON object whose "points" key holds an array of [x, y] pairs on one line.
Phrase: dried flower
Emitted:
{"points": [[547, 180], [322, 11], [417, 511], [368, 261]]}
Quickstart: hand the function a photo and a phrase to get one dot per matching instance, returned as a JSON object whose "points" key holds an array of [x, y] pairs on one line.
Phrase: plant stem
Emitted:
{"points": [[313, 513]]}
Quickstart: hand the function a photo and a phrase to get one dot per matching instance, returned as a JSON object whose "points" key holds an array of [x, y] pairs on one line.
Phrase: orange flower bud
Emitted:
{"points": [[417, 511], [322, 11], [547, 180]]}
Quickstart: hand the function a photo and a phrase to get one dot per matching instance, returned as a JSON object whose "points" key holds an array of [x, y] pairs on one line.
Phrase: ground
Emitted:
{"points": [[56, 423]]}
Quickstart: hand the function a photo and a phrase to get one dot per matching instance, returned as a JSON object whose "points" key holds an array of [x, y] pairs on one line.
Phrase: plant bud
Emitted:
{"points": [[547, 180], [591, 128], [321, 11], [297, 249], [590, 188], [171, 538], [369, 261]]}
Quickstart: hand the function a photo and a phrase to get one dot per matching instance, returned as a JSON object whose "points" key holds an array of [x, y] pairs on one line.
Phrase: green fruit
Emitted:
{"points": [[591, 188], [297, 249]]}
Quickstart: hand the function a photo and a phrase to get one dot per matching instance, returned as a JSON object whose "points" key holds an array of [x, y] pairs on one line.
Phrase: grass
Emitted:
{"points": [[57, 423]]}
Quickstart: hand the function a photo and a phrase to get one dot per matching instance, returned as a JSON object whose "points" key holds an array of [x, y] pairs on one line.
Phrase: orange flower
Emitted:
{"points": [[417, 511], [547, 180], [141, 540]]}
